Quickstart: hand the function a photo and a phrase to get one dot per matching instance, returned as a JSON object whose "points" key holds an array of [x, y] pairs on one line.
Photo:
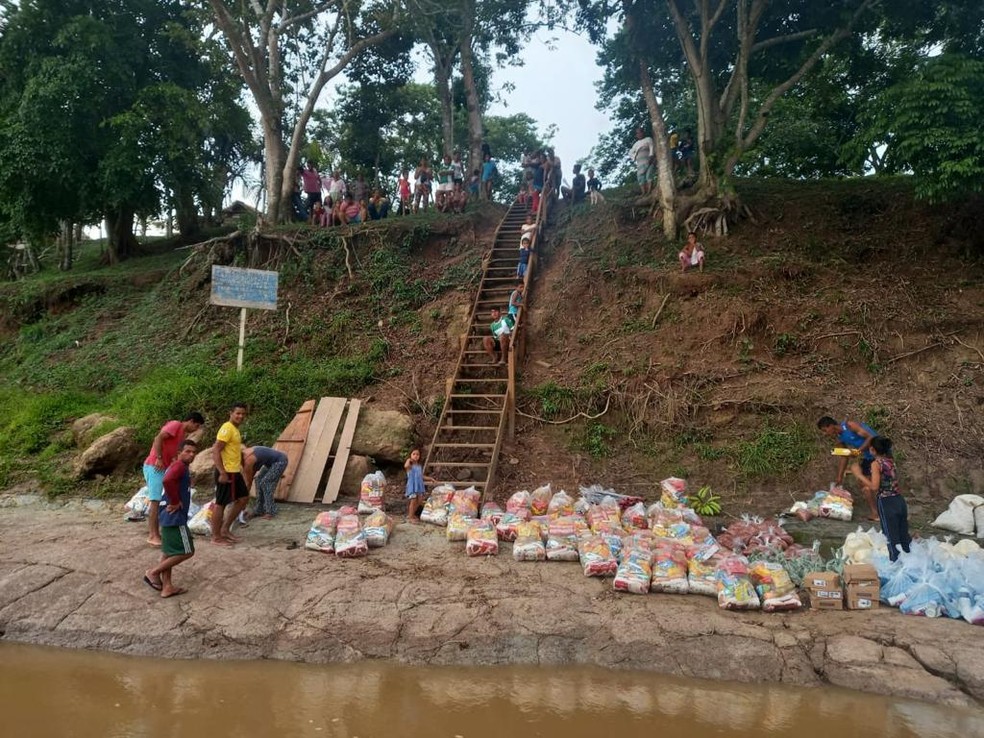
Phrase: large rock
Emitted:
{"points": [[83, 427], [118, 450], [202, 470], [383, 434], [355, 469]]}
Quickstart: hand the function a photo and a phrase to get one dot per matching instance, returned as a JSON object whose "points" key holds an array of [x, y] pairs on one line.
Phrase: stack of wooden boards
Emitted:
{"points": [[309, 441]]}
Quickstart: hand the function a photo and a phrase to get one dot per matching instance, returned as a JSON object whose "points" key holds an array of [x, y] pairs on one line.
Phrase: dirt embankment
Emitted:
{"points": [[71, 576]]}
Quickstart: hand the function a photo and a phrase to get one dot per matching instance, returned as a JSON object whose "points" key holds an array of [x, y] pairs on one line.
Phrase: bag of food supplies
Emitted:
{"points": [[458, 526], [561, 504], [774, 586], [529, 542], [635, 572], [350, 540], [321, 537], [491, 512], [674, 492], [596, 556], [377, 528], [436, 507], [201, 524], [371, 492], [634, 517], [562, 539], [540, 500], [605, 515], [465, 502], [507, 527], [669, 570], [481, 539], [702, 576], [735, 590], [519, 504]]}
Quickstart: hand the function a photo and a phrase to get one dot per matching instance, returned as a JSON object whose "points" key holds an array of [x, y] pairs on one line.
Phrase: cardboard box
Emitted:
{"points": [[860, 602], [862, 574], [826, 599], [822, 581]]}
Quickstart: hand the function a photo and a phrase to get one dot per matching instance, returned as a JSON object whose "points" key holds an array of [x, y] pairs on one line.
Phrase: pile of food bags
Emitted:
{"points": [[481, 539], [752, 534], [436, 506], [347, 535], [935, 579], [835, 503]]}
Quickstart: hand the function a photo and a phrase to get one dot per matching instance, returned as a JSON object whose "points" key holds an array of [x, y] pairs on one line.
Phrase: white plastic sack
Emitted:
{"points": [[136, 508], [961, 514], [860, 546]]}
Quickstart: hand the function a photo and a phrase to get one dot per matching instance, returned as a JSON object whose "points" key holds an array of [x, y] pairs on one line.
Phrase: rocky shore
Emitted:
{"points": [[70, 575]]}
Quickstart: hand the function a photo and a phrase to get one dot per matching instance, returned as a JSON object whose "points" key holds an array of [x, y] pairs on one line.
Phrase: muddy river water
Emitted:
{"points": [[51, 692]]}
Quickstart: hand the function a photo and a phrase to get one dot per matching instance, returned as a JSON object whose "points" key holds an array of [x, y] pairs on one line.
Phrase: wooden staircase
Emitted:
{"points": [[479, 405]]}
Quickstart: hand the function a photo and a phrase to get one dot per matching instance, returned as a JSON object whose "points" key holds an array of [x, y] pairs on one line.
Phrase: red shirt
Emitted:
{"points": [[311, 179], [174, 434]]}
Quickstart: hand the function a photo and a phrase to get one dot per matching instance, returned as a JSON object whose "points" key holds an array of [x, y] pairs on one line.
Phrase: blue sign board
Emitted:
{"points": [[244, 288]]}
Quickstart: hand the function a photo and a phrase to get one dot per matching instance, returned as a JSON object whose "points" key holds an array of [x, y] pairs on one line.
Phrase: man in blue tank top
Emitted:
{"points": [[856, 436]]}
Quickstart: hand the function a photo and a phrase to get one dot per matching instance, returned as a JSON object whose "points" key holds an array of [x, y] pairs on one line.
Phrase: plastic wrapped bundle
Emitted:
{"points": [[321, 537], [137, 507], [544, 522], [606, 515], [634, 517], [519, 504], [734, 587], [436, 507], [774, 586], [507, 527], [641, 540], [491, 512], [561, 504], [635, 572], [614, 540], [350, 540], [562, 537], [669, 571], [540, 500], [481, 539], [702, 576], [377, 528], [837, 504], [201, 523], [458, 526], [596, 556], [371, 492], [465, 502], [674, 492], [529, 543]]}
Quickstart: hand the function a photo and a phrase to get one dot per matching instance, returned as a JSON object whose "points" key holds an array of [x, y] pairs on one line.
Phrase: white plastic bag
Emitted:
{"points": [[321, 537], [137, 507], [371, 492], [960, 516], [201, 524]]}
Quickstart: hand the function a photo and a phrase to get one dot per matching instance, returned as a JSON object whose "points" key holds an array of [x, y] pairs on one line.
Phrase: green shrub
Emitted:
{"points": [[775, 451]]}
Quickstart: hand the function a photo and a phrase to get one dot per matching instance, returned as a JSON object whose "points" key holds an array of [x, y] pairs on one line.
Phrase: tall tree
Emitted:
{"points": [[326, 36]]}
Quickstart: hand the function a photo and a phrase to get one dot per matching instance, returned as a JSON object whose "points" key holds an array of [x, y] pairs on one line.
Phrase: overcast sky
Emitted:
{"points": [[557, 86]]}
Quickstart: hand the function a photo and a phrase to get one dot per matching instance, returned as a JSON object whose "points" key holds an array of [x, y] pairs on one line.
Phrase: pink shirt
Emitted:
{"points": [[311, 180], [174, 434]]}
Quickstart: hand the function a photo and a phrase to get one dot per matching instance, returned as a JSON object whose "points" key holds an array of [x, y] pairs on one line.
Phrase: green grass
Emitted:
{"points": [[775, 451]]}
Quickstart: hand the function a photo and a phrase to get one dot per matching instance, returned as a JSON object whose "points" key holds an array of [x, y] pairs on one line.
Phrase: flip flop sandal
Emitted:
{"points": [[150, 583]]}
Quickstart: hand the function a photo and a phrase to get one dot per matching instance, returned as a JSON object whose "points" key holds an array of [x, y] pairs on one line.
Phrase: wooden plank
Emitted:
{"points": [[318, 449], [342, 453], [292, 441]]}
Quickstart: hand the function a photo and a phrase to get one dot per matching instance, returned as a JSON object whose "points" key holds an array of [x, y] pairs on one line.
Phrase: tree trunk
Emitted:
{"points": [[121, 243], [65, 244], [475, 133], [189, 225], [278, 191], [442, 80]]}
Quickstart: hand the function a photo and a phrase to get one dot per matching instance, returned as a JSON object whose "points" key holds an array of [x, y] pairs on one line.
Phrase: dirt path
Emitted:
{"points": [[71, 576]]}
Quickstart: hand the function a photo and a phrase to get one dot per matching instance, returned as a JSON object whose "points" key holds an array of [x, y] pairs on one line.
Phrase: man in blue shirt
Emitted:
{"points": [[176, 543], [858, 437]]}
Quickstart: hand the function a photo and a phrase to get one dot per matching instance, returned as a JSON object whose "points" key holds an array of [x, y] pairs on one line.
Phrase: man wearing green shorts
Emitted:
{"points": [[176, 543]]}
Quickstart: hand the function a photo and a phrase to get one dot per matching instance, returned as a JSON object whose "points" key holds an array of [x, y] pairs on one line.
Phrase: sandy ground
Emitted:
{"points": [[71, 575]]}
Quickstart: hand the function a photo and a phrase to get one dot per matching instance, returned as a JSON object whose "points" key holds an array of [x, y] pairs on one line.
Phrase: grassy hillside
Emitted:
{"points": [[846, 298]]}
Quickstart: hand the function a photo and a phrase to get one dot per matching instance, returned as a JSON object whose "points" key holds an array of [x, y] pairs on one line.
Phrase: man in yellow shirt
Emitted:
{"points": [[230, 486]]}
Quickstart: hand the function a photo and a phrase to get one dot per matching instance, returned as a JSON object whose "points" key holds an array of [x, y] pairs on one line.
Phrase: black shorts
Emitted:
{"points": [[312, 197], [228, 492]]}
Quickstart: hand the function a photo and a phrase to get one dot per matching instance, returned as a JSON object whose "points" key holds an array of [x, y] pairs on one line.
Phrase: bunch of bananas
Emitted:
{"points": [[705, 502]]}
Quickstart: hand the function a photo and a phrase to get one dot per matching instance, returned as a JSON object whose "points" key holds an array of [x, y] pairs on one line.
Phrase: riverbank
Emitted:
{"points": [[70, 575]]}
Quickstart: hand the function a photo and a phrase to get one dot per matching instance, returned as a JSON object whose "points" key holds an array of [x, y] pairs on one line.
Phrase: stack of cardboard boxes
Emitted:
{"points": [[858, 589]]}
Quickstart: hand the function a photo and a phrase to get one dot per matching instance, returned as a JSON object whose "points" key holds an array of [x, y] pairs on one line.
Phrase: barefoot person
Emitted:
{"points": [[265, 466], [164, 450], [230, 486], [497, 345], [416, 484], [858, 437], [176, 543], [883, 482]]}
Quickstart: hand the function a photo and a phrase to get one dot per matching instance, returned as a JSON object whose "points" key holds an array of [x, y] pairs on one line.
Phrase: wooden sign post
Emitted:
{"points": [[243, 288]]}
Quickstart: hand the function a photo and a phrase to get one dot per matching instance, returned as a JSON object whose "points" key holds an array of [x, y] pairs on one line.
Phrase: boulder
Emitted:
{"points": [[82, 428], [355, 469], [117, 450], [383, 434], [202, 470]]}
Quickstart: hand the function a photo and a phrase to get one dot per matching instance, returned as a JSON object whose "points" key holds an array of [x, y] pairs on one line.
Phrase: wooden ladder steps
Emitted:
{"points": [[467, 396], [441, 444]]}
